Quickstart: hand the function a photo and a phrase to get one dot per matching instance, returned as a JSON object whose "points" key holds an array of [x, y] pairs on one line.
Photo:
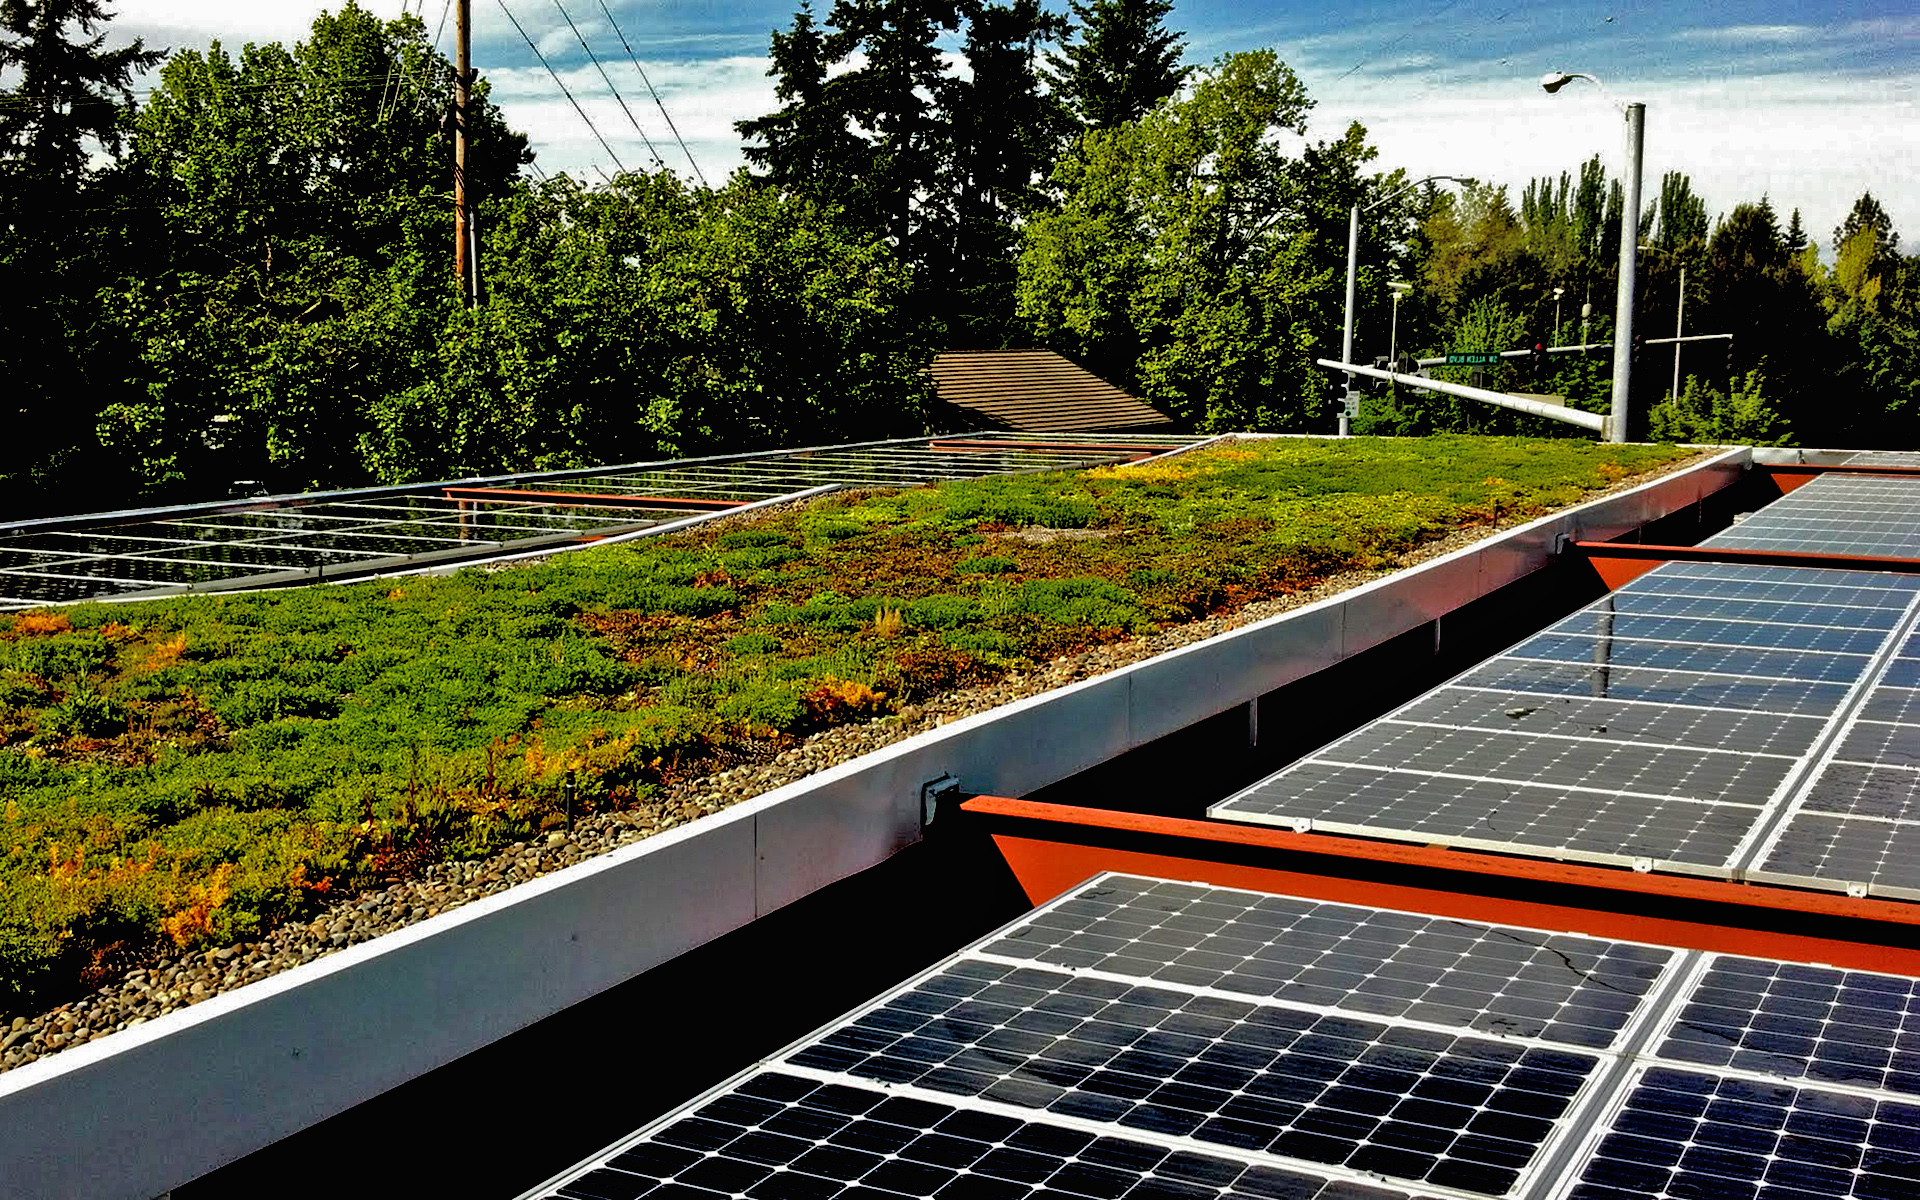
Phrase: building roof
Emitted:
{"points": [[1037, 391]]}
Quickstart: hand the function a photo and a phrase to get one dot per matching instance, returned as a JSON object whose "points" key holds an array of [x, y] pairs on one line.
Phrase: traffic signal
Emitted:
{"points": [[1537, 361], [1639, 345], [1727, 367]]}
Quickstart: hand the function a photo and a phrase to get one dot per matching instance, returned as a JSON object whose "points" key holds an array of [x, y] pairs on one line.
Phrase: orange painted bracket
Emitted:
{"points": [[1788, 476], [1620, 563], [597, 499], [1052, 847]]}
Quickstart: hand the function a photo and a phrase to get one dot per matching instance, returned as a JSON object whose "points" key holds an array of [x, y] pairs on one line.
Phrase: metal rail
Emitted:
{"points": [[1537, 408]]}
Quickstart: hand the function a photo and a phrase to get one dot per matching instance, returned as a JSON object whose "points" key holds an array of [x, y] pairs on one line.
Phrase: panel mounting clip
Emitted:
{"points": [[1857, 890], [1642, 865], [932, 792]]}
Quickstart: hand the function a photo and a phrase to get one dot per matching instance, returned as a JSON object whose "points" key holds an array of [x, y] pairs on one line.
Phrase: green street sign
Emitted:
{"points": [[1474, 359]]}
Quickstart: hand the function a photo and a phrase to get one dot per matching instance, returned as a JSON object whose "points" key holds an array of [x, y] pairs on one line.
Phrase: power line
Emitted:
{"points": [[563, 87], [568, 18], [656, 95]]}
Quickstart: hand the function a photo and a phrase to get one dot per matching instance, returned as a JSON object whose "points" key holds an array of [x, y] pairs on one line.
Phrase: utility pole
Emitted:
{"points": [[1679, 315], [466, 263]]}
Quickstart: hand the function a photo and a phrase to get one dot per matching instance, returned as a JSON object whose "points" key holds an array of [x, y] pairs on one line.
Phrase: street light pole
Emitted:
{"points": [[1353, 253], [1636, 119], [1346, 334], [1629, 253], [1679, 317]]}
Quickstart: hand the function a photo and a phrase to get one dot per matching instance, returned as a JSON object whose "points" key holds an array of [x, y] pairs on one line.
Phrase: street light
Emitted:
{"points": [[1557, 293], [1636, 118], [1353, 249], [1399, 288]]}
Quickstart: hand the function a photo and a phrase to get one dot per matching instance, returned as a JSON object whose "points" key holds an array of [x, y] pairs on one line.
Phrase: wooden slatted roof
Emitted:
{"points": [[1037, 391]]}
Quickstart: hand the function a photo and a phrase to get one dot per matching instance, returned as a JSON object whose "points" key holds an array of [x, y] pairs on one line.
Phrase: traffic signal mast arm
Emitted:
{"points": [[1572, 416]]}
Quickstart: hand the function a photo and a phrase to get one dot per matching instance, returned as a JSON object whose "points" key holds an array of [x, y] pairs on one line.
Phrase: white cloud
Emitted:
{"points": [[1748, 33]]}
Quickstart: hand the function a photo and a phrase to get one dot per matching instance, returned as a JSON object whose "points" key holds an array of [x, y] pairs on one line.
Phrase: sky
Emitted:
{"points": [[1808, 103]]}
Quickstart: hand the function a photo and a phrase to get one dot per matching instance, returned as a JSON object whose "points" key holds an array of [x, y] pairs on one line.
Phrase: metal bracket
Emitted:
{"points": [[932, 792]]}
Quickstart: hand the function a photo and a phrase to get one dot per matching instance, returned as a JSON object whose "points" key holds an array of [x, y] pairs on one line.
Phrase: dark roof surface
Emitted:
{"points": [[1037, 391]]}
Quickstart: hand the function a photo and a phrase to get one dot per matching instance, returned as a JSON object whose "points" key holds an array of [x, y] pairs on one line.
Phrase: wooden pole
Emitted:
{"points": [[464, 251]]}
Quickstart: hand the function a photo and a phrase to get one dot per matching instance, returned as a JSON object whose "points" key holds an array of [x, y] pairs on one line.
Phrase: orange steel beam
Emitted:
{"points": [[1052, 847], [597, 499], [1620, 563], [1134, 449]]}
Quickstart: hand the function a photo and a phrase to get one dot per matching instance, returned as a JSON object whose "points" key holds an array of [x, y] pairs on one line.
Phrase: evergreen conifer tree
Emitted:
{"points": [[1126, 62]]}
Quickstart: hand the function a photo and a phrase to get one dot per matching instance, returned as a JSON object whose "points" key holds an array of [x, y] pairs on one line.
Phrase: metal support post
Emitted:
{"points": [[1636, 115], [1346, 335]]}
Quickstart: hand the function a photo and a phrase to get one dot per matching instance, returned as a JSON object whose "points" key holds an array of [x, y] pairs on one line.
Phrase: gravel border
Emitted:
{"points": [[177, 981]]}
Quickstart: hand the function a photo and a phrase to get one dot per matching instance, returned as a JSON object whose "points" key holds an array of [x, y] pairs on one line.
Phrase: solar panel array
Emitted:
{"points": [[304, 539], [1140, 1039], [1671, 725], [1836, 514]]}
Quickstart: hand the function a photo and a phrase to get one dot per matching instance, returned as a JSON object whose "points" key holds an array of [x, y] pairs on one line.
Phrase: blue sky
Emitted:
{"points": [[1810, 103]]}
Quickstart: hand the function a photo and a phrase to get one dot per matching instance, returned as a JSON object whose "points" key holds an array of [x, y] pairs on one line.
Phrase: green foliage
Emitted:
{"points": [[1741, 416], [1187, 248], [1125, 63]]}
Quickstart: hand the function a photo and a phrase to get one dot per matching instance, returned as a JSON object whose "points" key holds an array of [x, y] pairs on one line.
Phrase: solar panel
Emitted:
{"points": [[1835, 514], [1143, 1038], [370, 531], [1769, 1080], [1632, 736]]}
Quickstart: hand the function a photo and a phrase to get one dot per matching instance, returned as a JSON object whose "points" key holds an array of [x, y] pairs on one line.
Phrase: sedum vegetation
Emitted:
{"points": [[192, 771]]}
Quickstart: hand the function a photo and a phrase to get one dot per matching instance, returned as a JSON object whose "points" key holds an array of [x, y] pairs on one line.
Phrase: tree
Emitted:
{"points": [[1001, 129], [1750, 287], [1183, 260], [302, 197], [805, 146], [71, 96], [1682, 217], [1126, 62], [1867, 214], [69, 91]]}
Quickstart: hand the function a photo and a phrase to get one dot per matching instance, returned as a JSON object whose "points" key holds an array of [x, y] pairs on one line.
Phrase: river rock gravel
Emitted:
{"points": [[181, 980]]}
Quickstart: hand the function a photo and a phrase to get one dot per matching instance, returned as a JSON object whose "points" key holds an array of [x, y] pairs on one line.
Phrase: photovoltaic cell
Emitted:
{"points": [[1689, 1134], [1731, 731], [1681, 740], [1770, 1080], [784, 1136], [1691, 688], [1692, 657], [1798, 1022], [1706, 631]]}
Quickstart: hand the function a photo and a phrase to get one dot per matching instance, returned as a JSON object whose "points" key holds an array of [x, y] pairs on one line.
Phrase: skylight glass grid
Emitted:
{"points": [[370, 532]]}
